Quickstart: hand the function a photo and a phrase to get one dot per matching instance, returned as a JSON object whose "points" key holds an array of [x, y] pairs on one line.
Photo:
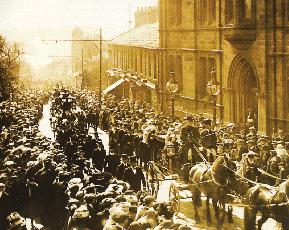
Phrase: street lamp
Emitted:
{"points": [[172, 86], [213, 88]]}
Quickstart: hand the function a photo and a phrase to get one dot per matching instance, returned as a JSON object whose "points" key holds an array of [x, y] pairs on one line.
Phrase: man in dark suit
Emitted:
{"points": [[136, 143], [209, 140], [134, 175], [120, 137], [128, 141], [189, 136], [122, 166], [98, 156]]}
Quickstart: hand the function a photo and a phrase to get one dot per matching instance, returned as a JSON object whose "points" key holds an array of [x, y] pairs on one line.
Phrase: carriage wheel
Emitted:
{"points": [[174, 198]]}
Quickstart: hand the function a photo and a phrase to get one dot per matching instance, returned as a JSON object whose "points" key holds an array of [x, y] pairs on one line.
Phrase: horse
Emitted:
{"points": [[272, 202], [213, 181]]}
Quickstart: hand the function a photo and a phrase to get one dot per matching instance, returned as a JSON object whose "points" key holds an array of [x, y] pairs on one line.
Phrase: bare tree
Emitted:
{"points": [[10, 54]]}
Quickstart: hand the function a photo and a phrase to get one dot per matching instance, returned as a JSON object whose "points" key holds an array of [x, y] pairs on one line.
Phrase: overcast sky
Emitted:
{"points": [[19, 16]]}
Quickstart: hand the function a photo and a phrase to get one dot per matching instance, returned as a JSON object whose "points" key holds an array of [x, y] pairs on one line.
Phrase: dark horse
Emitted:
{"points": [[272, 202], [213, 182]]}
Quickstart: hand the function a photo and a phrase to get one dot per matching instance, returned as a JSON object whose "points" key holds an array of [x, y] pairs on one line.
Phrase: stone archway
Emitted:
{"points": [[244, 86]]}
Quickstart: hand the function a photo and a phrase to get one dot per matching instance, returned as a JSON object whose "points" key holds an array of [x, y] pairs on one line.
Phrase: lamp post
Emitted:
{"points": [[213, 88], [172, 86]]}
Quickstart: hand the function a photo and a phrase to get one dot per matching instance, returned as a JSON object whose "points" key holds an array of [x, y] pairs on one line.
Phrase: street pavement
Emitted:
{"points": [[44, 124]]}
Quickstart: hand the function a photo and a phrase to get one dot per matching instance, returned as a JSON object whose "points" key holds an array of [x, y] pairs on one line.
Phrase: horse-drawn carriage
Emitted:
{"points": [[220, 181], [211, 179]]}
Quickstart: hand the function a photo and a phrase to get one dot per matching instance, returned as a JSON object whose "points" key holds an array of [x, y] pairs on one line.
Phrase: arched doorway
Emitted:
{"points": [[244, 88]]}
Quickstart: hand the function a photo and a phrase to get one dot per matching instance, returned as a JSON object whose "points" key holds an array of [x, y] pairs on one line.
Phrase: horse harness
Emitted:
{"points": [[268, 187], [209, 169]]}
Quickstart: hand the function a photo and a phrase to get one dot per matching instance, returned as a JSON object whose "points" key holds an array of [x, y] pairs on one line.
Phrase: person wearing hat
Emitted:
{"points": [[250, 166], [190, 137], [272, 166], [98, 156], [122, 166], [279, 136], [128, 141], [134, 175], [251, 144], [105, 120], [252, 133], [120, 136], [241, 148], [209, 140], [144, 150], [112, 160], [112, 135], [264, 157], [136, 143]]}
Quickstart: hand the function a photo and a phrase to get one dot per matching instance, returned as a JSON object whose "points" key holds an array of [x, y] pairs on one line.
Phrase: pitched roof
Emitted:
{"points": [[143, 36]]}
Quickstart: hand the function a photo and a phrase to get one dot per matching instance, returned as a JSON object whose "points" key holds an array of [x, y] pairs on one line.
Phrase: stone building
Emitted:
{"points": [[134, 59], [245, 41]]}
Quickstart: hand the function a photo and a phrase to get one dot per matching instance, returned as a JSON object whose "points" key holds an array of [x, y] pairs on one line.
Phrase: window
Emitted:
{"points": [[203, 11], [179, 12], [212, 11], [202, 83], [229, 9], [245, 9], [207, 11], [206, 66], [175, 12], [172, 12]]}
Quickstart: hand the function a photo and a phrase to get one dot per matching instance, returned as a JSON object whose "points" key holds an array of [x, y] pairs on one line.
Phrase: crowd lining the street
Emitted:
{"points": [[72, 182]]}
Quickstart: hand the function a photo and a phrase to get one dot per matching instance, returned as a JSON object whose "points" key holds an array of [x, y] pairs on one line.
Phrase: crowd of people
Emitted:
{"points": [[70, 182], [135, 129], [73, 181]]}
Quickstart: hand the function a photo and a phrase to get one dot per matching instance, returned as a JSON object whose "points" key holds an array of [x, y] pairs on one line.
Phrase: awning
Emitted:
{"points": [[113, 86]]}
